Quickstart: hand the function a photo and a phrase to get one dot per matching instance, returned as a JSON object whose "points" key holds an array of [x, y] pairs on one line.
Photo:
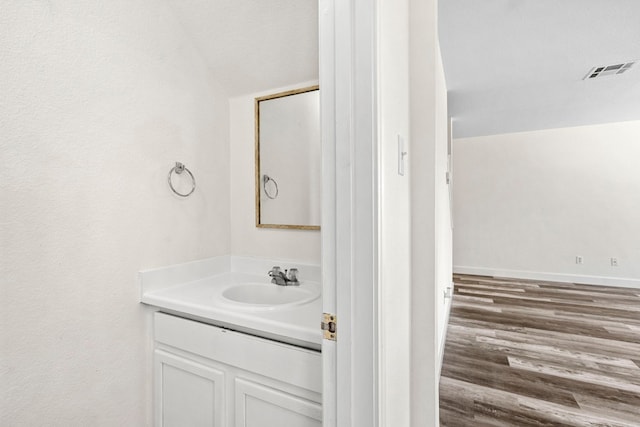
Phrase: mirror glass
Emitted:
{"points": [[288, 160]]}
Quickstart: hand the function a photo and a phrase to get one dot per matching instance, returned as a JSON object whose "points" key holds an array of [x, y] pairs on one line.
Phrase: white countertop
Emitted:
{"points": [[194, 290]]}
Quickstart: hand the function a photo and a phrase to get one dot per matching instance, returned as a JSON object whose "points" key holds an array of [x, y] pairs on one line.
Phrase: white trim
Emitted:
{"points": [[622, 282], [349, 214], [327, 81]]}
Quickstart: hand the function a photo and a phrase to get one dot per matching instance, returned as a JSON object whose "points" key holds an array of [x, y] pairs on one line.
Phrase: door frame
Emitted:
{"points": [[347, 46]]}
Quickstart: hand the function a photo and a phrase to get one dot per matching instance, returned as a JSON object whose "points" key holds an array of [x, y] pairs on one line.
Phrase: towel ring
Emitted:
{"points": [[178, 169], [265, 179]]}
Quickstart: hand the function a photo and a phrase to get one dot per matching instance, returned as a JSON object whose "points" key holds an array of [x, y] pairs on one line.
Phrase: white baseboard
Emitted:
{"points": [[621, 282]]}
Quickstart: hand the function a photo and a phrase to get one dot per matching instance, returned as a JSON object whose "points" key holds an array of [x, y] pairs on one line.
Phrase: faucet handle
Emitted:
{"points": [[293, 274], [275, 271]]}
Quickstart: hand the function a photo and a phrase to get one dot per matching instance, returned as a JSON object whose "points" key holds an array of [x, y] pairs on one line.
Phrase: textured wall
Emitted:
{"points": [[247, 240], [529, 203], [98, 99]]}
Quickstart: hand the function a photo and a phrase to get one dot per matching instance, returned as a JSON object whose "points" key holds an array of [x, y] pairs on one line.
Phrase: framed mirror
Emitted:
{"points": [[287, 155]]}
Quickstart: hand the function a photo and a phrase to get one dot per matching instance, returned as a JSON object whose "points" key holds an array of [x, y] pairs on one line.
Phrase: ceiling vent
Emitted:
{"points": [[608, 70]]}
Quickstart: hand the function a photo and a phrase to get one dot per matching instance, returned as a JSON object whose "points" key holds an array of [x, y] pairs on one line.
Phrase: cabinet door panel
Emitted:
{"points": [[187, 393], [261, 406]]}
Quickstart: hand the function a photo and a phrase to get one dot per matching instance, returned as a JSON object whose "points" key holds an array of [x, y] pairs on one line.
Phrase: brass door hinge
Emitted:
{"points": [[329, 326]]}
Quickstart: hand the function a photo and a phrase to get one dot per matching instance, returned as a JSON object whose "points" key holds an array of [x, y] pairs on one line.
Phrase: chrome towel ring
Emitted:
{"points": [[265, 179], [178, 169]]}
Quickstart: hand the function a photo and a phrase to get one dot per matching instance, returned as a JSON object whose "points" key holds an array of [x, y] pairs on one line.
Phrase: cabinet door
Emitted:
{"points": [[258, 405], [187, 393]]}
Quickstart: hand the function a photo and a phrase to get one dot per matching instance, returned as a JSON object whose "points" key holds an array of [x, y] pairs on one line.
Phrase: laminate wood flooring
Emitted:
{"points": [[523, 353]]}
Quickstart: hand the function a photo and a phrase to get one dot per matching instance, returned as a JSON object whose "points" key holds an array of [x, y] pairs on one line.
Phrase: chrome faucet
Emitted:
{"points": [[288, 278]]}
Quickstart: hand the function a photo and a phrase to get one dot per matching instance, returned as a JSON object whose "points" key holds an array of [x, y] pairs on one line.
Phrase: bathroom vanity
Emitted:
{"points": [[233, 349]]}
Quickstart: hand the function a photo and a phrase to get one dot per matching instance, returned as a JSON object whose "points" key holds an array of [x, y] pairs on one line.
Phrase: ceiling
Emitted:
{"points": [[510, 65], [254, 45], [518, 65]]}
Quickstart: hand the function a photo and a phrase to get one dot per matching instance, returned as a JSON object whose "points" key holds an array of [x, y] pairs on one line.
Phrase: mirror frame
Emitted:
{"points": [[257, 157]]}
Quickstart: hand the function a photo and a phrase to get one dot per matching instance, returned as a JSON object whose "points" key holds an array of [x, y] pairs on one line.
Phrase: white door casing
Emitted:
{"points": [[349, 211]]}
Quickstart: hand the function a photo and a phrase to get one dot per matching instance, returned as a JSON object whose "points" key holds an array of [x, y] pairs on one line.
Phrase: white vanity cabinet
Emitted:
{"points": [[188, 393], [210, 376]]}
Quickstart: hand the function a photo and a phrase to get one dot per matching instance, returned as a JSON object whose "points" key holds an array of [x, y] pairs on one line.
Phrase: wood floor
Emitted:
{"points": [[529, 353]]}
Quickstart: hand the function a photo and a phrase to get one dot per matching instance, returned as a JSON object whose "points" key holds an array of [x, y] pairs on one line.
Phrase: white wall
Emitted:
{"points": [[443, 234], [246, 239], [526, 204], [394, 251], [98, 100], [426, 164], [430, 215]]}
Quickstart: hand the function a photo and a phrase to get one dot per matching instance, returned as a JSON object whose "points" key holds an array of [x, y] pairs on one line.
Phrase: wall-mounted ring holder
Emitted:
{"points": [[178, 169], [265, 180]]}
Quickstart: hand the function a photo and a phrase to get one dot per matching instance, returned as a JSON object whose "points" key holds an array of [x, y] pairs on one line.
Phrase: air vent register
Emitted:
{"points": [[608, 70]]}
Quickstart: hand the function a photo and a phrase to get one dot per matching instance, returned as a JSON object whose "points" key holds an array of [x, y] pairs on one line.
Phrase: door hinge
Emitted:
{"points": [[329, 326]]}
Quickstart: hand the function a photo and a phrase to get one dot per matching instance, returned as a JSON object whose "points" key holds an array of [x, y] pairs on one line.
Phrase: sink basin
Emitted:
{"points": [[257, 295]]}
